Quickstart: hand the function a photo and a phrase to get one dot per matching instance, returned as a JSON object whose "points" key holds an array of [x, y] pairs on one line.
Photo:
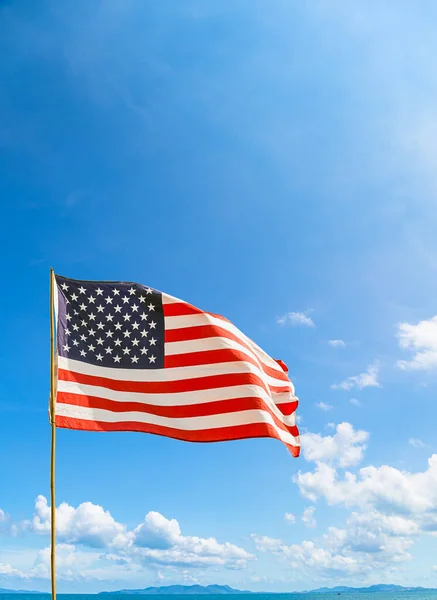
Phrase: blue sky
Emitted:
{"points": [[270, 161]]}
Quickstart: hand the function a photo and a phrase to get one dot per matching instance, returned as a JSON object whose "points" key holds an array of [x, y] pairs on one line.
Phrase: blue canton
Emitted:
{"points": [[110, 324]]}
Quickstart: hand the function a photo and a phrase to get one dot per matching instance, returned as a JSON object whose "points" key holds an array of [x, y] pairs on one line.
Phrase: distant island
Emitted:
{"points": [[187, 590], [382, 587], [211, 590]]}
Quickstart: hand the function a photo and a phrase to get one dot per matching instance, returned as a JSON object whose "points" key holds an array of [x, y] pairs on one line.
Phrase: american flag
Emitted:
{"points": [[130, 358]]}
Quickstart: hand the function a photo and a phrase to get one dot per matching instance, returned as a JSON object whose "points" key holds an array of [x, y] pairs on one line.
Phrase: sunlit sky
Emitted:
{"points": [[274, 162]]}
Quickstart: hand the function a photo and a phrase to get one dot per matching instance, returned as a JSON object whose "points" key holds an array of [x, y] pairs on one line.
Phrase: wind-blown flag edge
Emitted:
{"points": [[215, 384]]}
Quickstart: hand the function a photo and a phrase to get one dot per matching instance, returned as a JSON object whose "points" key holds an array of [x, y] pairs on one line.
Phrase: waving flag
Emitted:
{"points": [[130, 358]]}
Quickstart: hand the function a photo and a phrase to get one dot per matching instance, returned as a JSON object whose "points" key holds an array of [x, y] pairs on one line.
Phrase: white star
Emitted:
{"points": [[82, 353], [125, 299], [76, 313], [117, 326], [99, 356], [117, 308], [83, 337], [126, 333], [151, 306], [126, 317], [108, 350], [99, 341], [91, 348], [131, 291], [135, 308], [64, 286], [66, 348], [152, 358], [67, 332], [142, 298], [149, 291], [152, 324], [109, 317], [74, 297], [109, 334], [135, 342], [144, 350], [152, 342], [109, 300], [92, 316], [83, 323], [91, 332], [68, 317], [144, 316], [99, 291], [100, 325], [116, 291], [67, 301], [117, 358], [135, 325], [82, 306], [91, 299], [100, 308], [144, 333], [117, 342], [134, 359], [75, 327], [75, 343], [126, 350], [82, 290]]}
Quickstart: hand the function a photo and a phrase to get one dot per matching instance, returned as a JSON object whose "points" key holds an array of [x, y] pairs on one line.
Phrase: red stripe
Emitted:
{"points": [[175, 412], [209, 357], [170, 387], [181, 309], [221, 434]]}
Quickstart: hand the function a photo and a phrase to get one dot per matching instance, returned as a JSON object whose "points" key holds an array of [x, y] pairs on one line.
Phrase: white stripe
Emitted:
{"points": [[179, 398], [168, 374], [247, 417]]}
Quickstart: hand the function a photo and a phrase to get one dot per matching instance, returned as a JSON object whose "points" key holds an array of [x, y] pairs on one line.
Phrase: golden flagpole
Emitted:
{"points": [[53, 424]]}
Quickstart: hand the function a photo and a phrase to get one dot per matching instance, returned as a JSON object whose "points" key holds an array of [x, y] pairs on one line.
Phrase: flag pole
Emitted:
{"points": [[53, 444]]}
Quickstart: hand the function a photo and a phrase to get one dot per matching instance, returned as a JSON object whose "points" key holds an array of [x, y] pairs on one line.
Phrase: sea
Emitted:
{"points": [[402, 595]]}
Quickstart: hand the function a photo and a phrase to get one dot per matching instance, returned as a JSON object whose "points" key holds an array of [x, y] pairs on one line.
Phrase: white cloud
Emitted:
{"points": [[422, 340], [355, 401], [416, 443], [337, 343], [367, 379], [308, 517], [377, 488], [323, 406], [88, 524], [296, 318], [345, 448], [290, 518], [157, 540]]}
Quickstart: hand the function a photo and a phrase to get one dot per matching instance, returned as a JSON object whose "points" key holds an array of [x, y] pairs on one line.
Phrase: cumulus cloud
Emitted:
{"points": [[367, 379], [368, 542], [157, 540], [344, 448], [296, 319], [355, 401], [337, 343], [421, 339], [88, 524], [290, 518]]}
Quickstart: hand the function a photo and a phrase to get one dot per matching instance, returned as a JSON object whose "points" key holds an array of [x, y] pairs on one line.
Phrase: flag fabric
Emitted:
{"points": [[130, 358]]}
